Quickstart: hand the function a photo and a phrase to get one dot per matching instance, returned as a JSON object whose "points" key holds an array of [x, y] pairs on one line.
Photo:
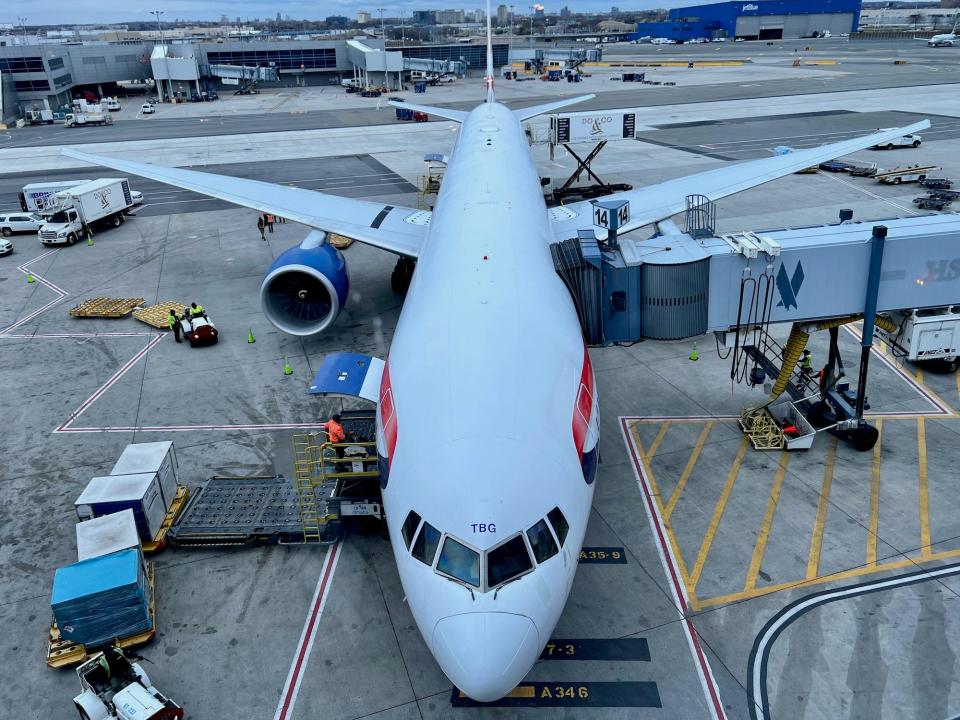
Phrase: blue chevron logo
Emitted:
{"points": [[789, 287]]}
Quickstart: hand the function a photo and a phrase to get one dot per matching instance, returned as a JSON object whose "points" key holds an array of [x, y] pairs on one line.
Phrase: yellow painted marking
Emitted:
{"points": [[657, 440], [924, 491], [874, 500], [718, 514], [843, 575], [920, 375], [957, 376], [671, 538], [523, 691], [687, 470], [761, 545], [816, 543]]}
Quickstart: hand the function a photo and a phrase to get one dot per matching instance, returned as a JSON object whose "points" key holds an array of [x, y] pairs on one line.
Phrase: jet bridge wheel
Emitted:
{"points": [[402, 275]]}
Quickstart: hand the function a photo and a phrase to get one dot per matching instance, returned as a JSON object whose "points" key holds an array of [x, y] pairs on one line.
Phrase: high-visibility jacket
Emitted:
{"points": [[334, 431], [172, 321], [807, 362], [198, 310]]}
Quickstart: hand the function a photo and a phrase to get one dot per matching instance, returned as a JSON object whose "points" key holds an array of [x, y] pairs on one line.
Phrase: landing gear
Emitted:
{"points": [[402, 275]]}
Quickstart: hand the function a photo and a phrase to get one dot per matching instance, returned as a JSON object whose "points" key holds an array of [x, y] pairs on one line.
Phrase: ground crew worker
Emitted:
{"points": [[174, 322], [268, 218], [806, 365], [260, 226], [196, 310], [335, 433]]}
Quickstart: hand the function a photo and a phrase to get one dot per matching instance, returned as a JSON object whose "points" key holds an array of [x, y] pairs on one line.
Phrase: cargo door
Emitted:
{"points": [[349, 375]]}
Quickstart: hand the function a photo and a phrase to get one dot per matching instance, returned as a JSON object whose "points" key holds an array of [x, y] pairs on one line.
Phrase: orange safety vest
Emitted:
{"points": [[334, 431]]}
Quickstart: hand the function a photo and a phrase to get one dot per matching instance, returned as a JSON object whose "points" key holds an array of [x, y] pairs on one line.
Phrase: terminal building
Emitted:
{"points": [[57, 73], [756, 20]]}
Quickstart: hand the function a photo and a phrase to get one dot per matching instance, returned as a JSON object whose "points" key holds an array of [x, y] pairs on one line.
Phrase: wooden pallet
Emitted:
{"points": [[339, 241], [156, 315], [176, 507], [103, 307], [63, 653]]}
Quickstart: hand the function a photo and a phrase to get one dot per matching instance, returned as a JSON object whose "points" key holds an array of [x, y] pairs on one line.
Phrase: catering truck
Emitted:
{"points": [[70, 214], [33, 197]]}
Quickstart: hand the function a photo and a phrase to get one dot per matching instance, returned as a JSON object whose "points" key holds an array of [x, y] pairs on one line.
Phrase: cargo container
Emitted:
{"points": [[115, 493], [157, 458], [107, 534]]}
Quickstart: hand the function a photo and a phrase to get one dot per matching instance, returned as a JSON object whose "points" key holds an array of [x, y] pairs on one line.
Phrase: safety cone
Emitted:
{"points": [[250, 339], [287, 370], [694, 356], [89, 240], [29, 277]]}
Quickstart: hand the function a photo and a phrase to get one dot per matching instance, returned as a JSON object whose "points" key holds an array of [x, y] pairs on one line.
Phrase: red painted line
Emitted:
{"points": [[292, 685]]}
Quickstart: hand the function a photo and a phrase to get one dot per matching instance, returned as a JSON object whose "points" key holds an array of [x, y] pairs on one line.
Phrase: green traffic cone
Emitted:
{"points": [[90, 240], [250, 339], [29, 277], [694, 356], [287, 370]]}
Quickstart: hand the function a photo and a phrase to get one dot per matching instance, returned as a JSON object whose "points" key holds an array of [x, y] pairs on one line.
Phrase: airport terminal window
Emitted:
{"points": [[31, 85], [21, 64], [63, 80], [460, 562], [541, 542], [425, 546], [293, 59], [55, 63], [507, 561], [559, 523], [410, 526]]}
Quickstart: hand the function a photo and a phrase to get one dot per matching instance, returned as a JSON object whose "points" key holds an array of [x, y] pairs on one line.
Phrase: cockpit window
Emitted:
{"points": [[507, 561], [541, 541], [460, 562], [410, 527], [559, 523], [425, 546]]}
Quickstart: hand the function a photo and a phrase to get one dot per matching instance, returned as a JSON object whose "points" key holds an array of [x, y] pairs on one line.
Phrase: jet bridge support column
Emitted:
{"points": [[870, 311]]}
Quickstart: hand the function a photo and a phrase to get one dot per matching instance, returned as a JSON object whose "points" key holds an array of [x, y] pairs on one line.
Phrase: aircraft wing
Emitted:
{"points": [[658, 202], [398, 229]]}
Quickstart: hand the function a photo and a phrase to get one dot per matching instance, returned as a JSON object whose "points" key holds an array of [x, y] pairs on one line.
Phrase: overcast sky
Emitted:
{"points": [[46, 12]]}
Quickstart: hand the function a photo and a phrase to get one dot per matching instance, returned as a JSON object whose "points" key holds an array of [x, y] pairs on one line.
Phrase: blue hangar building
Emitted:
{"points": [[756, 20]]}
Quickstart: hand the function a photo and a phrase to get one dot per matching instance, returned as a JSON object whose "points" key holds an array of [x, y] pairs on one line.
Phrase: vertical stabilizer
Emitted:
{"points": [[488, 80]]}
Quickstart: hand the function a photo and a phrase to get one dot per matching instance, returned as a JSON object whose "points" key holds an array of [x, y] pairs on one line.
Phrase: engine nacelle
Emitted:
{"points": [[306, 287]]}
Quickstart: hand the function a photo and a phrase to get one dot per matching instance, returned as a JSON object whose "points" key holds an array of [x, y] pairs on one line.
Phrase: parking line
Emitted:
{"points": [[816, 542], [687, 470], [718, 513], [874, 499], [761, 545], [655, 445], [924, 491]]}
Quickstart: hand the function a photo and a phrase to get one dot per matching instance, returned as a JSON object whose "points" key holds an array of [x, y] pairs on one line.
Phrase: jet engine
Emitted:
{"points": [[306, 287]]}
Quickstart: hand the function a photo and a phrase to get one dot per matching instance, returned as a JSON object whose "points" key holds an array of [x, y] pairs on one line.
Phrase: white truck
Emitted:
{"points": [[112, 104], [83, 119], [114, 685], [901, 142], [70, 213], [33, 197], [39, 116]]}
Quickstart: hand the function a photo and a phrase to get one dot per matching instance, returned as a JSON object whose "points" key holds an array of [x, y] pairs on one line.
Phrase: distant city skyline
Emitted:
{"points": [[88, 12]]}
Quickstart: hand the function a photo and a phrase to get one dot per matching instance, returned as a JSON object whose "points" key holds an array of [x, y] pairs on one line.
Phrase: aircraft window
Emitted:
{"points": [[559, 523], [425, 546], [507, 561], [460, 562], [410, 526], [541, 541]]}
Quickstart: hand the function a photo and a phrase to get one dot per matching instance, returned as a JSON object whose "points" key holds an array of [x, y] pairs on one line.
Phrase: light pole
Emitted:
{"points": [[403, 30], [166, 61], [383, 31], [531, 25], [510, 39]]}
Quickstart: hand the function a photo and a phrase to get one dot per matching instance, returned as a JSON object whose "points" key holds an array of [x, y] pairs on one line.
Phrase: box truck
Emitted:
{"points": [[69, 213], [33, 197]]}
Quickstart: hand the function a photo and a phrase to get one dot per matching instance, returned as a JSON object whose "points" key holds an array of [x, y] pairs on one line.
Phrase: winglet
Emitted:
{"points": [[529, 112]]}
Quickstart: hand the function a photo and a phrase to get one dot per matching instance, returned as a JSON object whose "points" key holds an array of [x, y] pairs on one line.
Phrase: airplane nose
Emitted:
{"points": [[486, 654]]}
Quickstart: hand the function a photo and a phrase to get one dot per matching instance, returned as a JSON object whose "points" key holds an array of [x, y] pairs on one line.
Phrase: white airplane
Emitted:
{"points": [[946, 39], [487, 412]]}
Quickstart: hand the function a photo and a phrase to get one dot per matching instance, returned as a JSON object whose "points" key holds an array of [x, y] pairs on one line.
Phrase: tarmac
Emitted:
{"points": [[717, 581]]}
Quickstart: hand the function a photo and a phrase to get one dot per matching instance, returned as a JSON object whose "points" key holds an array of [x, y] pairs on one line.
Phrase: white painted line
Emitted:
{"points": [[707, 680], [291, 688]]}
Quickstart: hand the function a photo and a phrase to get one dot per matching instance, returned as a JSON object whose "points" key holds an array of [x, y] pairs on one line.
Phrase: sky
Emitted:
{"points": [[45, 12]]}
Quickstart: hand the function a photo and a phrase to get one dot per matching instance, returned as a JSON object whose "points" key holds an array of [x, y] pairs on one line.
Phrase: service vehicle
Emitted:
{"points": [[200, 331], [905, 141], [70, 213], [137, 197], [39, 116], [6, 247], [932, 203], [916, 173], [114, 685], [111, 104], [33, 197], [18, 222], [662, 41], [147, 109], [87, 118]]}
